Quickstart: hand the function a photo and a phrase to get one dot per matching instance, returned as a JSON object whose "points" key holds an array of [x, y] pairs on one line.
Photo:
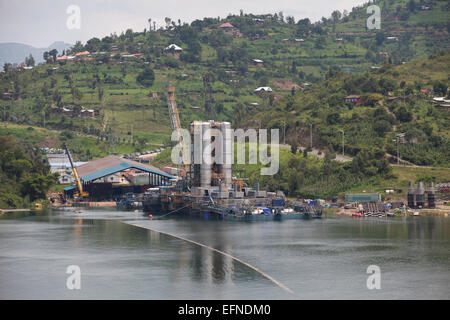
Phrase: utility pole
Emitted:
{"points": [[310, 134], [44, 117], [398, 155], [398, 136], [342, 131], [284, 132]]}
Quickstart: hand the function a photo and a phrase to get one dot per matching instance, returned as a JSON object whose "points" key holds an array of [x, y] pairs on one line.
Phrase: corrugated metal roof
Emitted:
{"points": [[103, 167]]}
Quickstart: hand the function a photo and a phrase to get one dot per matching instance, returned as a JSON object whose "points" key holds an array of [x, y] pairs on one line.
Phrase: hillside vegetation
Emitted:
{"points": [[311, 67], [23, 177]]}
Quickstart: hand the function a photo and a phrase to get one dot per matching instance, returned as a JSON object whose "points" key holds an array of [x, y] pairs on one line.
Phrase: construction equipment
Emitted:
{"points": [[80, 193], [176, 125]]}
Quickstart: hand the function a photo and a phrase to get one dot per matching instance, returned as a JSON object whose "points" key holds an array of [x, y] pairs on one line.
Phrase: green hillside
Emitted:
{"points": [[311, 67]]}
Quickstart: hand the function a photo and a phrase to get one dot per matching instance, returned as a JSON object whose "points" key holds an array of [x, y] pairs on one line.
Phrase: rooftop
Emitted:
{"points": [[226, 25], [111, 164]]}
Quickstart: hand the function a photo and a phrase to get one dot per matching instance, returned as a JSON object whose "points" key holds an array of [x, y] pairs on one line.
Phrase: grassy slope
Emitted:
{"points": [[127, 108]]}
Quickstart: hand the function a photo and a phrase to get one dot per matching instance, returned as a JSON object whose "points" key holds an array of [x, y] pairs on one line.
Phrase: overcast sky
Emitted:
{"points": [[41, 22]]}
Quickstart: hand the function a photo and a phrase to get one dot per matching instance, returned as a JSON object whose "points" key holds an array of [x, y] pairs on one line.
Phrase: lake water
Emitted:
{"points": [[316, 259]]}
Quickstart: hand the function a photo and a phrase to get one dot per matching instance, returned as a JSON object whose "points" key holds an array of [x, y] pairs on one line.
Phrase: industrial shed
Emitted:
{"points": [[95, 177]]}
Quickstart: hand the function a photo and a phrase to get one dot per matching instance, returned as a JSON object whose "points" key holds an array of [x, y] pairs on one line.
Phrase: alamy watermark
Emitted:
{"points": [[374, 280], [374, 21], [74, 280], [214, 146], [74, 19]]}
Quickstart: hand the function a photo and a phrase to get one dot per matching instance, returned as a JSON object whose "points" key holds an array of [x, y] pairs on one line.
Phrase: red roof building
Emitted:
{"points": [[353, 98], [226, 25]]}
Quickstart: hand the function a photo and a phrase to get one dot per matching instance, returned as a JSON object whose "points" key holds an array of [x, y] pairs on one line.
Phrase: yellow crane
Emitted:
{"points": [[80, 192]]}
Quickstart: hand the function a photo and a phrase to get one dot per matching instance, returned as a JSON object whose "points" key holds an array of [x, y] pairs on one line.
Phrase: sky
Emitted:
{"points": [[42, 22]]}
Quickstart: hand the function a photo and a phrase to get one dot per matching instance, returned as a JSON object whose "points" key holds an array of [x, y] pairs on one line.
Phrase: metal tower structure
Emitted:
{"points": [[175, 122]]}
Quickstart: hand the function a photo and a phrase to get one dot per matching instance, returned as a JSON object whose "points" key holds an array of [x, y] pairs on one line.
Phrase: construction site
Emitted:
{"points": [[206, 188], [203, 183]]}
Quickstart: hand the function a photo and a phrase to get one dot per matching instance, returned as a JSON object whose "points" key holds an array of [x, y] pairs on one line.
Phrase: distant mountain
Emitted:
{"points": [[13, 52]]}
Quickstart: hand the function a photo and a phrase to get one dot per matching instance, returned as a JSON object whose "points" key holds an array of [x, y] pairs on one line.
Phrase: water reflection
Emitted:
{"points": [[122, 261]]}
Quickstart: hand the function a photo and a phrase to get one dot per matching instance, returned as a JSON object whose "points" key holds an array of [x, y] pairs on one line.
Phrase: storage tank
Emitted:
{"points": [[205, 167], [227, 155], [410, 196], [431, 195], [420, 195]]}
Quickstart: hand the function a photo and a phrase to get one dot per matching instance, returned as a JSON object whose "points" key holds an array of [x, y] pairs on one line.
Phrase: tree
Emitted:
{"points": [[333, 118], [381, 127], [439, 88], [100, 92], [379, 38], [29, 61], [76, 94], [45, 55], [53, 53], [78, 47], [294, 67], [146, 77], [412, 5], [336, 15], [403, 115], [7, 67], [37, 185], [294, 147], [303, 27], [57, 97], [167, 20]]}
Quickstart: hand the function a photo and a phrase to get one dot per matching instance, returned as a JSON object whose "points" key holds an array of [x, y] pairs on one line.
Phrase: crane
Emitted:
{"points": [[80, 192], [176, 124]]}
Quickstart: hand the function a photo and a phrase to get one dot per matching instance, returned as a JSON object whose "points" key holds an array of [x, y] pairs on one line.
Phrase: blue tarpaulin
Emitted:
{"points": [[266, 211]]}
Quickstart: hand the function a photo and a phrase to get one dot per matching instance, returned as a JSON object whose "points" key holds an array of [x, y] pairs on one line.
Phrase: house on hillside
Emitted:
{"points": [[65, 58], [392, 38], [261, 90], [82, 54], [173, 50], [257, 62], [353, 98], [258, 21], [228, 28], [89, 113], [441, 100], [299, 41], [305, 85], [425, 91], [7, 96]]}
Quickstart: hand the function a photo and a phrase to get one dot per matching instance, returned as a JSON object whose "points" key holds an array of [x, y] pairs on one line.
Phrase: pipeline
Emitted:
{"points": [[279, 284], [159, 217]]}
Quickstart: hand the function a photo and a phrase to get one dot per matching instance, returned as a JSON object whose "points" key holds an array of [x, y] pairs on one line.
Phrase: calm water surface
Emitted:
{"points": [[316, 259]]}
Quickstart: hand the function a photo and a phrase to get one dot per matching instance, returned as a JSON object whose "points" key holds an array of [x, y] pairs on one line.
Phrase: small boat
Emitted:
{"points": [[390, 214], [129, 201]]}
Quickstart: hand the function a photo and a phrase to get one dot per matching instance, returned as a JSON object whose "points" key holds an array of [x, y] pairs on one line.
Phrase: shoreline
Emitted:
{"points": [[438, 212]]}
